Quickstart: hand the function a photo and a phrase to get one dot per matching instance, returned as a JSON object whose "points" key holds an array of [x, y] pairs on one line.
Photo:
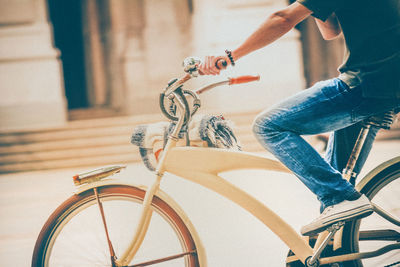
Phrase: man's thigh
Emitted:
{"points": [[327, 106], [324, 107]]}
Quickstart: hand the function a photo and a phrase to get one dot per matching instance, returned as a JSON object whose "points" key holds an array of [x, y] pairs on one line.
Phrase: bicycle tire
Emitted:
{"points": [[385, 184], [64, 231]]}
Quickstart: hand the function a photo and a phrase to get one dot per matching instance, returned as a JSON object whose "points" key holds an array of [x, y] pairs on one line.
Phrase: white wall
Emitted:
{"points": [[220, 25]]}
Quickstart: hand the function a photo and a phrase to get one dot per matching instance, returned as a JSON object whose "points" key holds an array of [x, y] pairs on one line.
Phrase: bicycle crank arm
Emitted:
{"points": [[169, 258]]}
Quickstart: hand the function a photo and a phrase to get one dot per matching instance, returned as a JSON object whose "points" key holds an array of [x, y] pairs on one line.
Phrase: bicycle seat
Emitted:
{"points": [[382, 120]]}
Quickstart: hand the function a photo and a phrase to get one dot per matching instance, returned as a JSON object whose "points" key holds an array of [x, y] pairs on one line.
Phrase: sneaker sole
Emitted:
{"points": [[348, 215]]}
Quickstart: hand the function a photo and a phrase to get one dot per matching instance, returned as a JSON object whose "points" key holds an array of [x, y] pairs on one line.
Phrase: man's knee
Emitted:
{"points": [[264, 126]]}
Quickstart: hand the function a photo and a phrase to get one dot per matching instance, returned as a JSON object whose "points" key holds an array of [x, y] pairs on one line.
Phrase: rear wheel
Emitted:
{"points": [[374, 232], [74, 234]]}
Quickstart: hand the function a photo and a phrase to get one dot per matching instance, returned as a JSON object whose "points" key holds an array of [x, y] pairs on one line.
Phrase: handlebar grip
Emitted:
{"points": [[244, 79], [221, 64]]}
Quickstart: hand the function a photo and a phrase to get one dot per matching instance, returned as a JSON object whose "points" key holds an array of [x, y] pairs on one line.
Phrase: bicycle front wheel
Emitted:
{"points": [[74, 235], [374, 232]]}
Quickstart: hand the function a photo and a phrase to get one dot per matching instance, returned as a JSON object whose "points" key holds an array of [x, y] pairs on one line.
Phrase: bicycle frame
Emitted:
{"points": [[204, 166]]}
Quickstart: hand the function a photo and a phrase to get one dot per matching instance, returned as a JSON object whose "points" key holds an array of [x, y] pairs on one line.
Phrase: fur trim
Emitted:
{"points": [[215, 130]]}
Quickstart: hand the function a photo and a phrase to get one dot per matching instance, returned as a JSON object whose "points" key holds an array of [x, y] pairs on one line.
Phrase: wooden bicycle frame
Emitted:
{"points": [[203, 166]]}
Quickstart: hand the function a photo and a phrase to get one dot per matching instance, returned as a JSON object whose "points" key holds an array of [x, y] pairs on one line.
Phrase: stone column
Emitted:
{"points": [[158, 39], [133, 58], [31, 87]]}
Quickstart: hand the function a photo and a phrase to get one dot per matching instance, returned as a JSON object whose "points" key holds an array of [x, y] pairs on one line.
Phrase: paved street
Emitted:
{"points": [[232, 238]]}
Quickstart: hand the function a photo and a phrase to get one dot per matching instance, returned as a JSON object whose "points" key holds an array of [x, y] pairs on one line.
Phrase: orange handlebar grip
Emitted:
{"points": [[244, 79]]}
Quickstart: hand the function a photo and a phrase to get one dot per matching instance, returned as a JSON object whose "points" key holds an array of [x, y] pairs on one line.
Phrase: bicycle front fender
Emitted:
{"points": [[164, 197]]}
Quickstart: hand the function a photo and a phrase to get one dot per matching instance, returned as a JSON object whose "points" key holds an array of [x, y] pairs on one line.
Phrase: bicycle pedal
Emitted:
{"points": [[335, 227], [332, 229]]}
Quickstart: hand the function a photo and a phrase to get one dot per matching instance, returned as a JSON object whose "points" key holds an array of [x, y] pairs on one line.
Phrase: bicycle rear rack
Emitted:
{"points": [[96, 175]]}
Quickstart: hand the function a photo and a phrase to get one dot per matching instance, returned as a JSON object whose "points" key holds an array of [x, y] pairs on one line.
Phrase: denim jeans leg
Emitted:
{"points": [[327, 106], [324, 107], [340, 146]]}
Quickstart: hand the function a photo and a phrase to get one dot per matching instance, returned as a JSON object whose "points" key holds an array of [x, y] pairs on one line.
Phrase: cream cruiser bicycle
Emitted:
{"points": [[108, 222]]}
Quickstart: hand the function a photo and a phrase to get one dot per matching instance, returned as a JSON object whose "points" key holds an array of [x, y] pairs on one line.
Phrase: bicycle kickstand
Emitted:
{"points": [[312, 261]]}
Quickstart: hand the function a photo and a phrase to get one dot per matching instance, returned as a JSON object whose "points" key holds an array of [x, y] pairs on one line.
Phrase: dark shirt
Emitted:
{"points": [[371, 29]]}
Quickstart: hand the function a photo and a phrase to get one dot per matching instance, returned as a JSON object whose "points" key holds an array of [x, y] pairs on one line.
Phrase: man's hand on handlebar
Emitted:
{"points": [[213, 65]]}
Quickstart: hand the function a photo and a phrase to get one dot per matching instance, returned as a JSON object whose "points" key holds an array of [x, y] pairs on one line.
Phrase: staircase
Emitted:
{"points": [[92, 142]]}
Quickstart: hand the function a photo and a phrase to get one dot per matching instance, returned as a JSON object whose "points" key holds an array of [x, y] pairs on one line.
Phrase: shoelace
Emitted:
{"points": [[327, 210], [323, 213]]}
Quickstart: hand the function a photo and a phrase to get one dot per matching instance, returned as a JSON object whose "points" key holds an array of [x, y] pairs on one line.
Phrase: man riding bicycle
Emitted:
{"points": [[368, 84]]}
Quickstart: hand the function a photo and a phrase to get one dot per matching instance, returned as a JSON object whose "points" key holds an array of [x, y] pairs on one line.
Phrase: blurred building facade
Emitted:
{"points": [[112, 57], [31, 80]]}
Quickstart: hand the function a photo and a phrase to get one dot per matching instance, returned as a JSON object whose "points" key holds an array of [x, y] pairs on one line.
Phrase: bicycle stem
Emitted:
{"points": [[170, 89]]}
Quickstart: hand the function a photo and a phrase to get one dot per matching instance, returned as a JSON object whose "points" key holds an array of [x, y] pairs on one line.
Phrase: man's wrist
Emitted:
{"points": [[236, 55], [230, 57]]}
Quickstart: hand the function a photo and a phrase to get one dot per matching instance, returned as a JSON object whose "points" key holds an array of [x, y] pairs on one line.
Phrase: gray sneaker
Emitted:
{"points": [[343, 211]]}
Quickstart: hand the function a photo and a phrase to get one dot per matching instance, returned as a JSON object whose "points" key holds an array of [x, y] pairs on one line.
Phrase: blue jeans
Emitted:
{"points": [[327, 106]]}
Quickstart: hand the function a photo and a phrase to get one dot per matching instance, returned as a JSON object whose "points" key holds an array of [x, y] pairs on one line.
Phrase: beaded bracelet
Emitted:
{"points": [[229, 54]]}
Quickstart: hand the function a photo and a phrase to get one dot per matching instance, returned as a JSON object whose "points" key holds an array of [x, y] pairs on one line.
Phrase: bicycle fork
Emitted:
{"points": [[142, 226], [146, 213], [145, 217], [140, 232]]}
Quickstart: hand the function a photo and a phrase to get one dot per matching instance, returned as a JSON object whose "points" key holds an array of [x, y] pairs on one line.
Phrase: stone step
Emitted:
{"points": [[93, 142], [87, 130], [85, 138], [118, 155], [98, 160], [94, 127], [80, 152], [80, 149], [95, 156]]}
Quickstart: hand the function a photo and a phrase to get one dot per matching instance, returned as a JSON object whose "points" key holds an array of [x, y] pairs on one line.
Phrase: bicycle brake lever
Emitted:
{"points": [[190, 65]]}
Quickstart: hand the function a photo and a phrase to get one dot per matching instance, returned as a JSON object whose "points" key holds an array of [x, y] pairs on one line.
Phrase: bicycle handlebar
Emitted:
{"points": [[244, 79], [230, 81], [174, 89]]}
